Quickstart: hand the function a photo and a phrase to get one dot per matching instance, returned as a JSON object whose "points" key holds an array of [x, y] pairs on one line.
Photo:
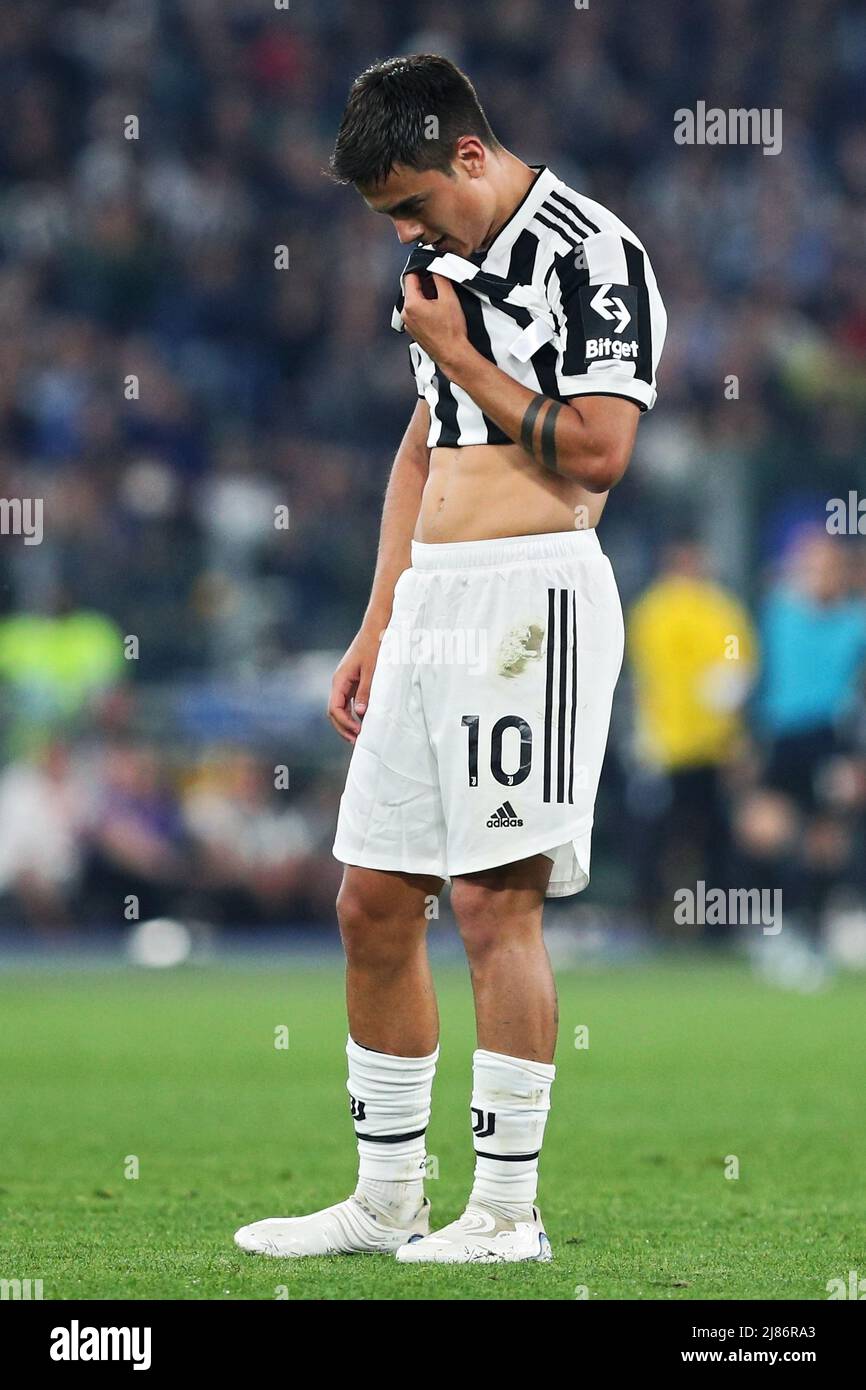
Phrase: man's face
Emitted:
{"points": [[822, 568], [428, 206]]}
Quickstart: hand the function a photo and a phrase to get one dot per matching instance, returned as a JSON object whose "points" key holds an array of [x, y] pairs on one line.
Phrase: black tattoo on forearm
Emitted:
{"points": [[545, 451], [528, 423], [548, 437]]}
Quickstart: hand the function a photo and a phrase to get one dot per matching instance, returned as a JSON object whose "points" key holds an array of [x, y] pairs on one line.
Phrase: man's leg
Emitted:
{"points": [[392, 1050], [390, 998], [393, 1033], [499, 913]]}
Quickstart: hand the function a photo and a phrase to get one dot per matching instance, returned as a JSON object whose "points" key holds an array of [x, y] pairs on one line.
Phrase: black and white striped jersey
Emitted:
{"points": [[564, 300]]}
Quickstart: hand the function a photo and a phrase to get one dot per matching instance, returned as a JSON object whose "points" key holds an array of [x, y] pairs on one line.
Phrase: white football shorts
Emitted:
{"points": [[489, 708]]}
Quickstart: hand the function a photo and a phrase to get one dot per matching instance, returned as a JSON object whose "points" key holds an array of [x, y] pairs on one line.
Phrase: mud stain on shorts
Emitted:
{"points": [[519, 646]]}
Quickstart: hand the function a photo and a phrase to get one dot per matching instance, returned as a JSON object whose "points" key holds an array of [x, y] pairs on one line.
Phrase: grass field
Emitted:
{"points": [[687, 1063]]}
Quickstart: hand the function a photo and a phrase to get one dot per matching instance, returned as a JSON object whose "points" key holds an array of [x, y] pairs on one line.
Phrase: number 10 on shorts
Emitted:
{"points": [[508, 721]]}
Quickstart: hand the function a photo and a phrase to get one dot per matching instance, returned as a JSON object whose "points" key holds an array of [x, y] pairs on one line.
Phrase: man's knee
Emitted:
{"points": [[488, 921], [379, 922], [477, 920], [363, 926], [497, 910]]}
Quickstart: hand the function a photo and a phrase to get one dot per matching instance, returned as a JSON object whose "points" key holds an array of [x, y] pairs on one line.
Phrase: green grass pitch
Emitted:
{"points": [[688, 1062]]}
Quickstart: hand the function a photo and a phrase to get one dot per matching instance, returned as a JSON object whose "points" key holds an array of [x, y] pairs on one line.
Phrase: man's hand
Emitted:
{"points": [[437, 325], [350, 686]]}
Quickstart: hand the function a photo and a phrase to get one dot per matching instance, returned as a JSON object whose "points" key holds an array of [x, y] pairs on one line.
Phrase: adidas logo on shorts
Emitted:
{"points": [[505, 815]]}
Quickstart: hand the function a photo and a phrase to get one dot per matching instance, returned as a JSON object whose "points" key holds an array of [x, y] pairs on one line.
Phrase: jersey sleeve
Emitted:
{"points": [[610, 319]]}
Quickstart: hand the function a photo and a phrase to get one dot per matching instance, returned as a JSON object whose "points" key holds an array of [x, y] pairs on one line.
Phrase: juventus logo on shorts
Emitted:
{"points": [[560, 691]]}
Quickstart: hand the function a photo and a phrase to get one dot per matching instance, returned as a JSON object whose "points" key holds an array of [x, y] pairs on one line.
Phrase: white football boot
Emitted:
{"points": [[348, 1228], [479, 1237]]}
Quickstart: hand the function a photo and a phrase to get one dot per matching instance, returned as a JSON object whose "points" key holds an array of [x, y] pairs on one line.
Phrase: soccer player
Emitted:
{"points": [[477, 693]]}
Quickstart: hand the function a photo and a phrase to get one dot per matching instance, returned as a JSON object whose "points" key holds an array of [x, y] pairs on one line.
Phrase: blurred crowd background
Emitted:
{"points": [[165, 386]]}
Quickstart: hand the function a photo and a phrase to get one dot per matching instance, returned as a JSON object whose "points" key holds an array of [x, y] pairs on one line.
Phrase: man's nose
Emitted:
{"points": [[408, 231]]}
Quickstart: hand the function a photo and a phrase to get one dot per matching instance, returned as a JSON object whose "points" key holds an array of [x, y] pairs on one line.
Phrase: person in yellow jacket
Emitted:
{"points": [[52, 664], [693, 656]]}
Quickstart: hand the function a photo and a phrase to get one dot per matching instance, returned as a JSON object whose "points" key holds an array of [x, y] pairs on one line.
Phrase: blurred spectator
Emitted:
{"points": [[692, 652], [813, 636], [254, 853], [136, 862], [53, 665], [42, 813]]}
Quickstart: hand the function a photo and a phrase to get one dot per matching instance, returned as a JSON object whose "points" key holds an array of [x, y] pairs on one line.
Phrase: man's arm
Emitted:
{"points": [[589, 440], [350, 686], [400, 510]]}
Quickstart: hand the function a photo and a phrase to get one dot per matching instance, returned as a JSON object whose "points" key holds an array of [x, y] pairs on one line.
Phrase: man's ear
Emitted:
{"points": [[471, 155]]}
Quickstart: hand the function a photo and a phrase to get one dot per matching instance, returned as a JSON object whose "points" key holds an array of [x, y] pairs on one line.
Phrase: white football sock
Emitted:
{"points": [[391, 1109], [510, 1104]]}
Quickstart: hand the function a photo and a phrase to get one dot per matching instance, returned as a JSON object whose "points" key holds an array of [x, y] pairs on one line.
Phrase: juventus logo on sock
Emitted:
{"points": [[359, 1110], [485, 1125]]}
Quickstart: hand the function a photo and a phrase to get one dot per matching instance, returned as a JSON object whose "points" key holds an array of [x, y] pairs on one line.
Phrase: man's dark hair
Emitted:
{"points": [[387, 119]]}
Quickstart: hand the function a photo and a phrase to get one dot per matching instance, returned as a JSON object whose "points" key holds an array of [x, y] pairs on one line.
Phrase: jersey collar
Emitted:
{"points": [[526, 209]]}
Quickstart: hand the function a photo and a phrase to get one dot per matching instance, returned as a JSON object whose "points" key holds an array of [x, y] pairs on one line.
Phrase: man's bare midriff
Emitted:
{"points": [[485, 491]]}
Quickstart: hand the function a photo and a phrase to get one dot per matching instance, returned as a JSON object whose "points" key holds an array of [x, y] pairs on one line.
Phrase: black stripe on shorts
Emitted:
{"points": [[560, 693]]}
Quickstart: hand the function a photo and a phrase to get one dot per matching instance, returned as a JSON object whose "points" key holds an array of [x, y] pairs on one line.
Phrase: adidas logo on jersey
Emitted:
{"points": [[505, 815]]}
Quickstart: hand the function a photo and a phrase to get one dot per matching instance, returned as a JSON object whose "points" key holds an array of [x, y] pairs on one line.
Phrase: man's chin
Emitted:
{"points": [[446, 244]]}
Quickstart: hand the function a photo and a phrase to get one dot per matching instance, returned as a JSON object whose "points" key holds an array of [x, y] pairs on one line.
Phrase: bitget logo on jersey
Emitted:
{"points": [[606, 309]]}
